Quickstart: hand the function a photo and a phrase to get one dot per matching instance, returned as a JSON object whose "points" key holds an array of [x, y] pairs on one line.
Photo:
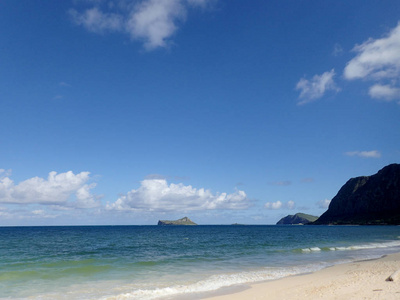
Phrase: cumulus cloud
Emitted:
{"points": [[273, 205], [278, 205], [323, 204], [158, 195], [378, 60], [152, 21], [57, 189], [84, 198], [365, 154], [155, 20], [384, 92], [315, 88]]}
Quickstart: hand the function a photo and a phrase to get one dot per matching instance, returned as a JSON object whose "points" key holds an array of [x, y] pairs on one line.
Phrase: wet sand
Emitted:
{"points": [[357, 280]]}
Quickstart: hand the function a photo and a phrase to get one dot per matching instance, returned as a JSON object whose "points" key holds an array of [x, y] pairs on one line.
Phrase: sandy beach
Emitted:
{"points": [[357, 280]]}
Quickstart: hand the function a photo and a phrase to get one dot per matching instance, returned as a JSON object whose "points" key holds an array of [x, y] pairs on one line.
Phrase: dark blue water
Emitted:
{"points": [[146, 262]]}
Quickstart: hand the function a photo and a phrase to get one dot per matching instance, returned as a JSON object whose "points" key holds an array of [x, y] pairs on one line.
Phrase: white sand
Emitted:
{"points": [[358, 280]]}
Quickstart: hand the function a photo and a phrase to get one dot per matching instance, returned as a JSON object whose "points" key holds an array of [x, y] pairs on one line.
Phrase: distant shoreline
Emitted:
{"points": [[155, 225]]}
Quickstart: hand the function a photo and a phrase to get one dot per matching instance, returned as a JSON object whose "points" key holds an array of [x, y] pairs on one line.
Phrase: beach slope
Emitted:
{"points": [[357, 280]]}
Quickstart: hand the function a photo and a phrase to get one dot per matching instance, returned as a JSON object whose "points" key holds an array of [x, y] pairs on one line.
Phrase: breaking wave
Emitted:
{"points": [[216, 282], [353, 247]]}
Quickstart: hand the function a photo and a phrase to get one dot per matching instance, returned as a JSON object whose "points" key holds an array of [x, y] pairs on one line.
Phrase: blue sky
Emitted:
{"points": [[126, 112]]}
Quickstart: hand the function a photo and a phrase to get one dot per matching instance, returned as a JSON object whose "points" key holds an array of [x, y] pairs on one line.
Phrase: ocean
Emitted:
{"points": [[173, 262]]}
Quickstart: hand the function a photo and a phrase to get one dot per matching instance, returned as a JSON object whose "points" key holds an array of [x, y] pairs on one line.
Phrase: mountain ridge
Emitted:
{"points": [[367, 200]]}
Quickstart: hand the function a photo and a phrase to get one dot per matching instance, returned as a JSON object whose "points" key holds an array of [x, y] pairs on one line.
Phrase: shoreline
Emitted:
{"points": [[364, 279]]}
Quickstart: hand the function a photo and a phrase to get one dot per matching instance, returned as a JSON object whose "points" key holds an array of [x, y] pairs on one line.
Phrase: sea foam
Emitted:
{"points": [[354, 247], [216, 282]]}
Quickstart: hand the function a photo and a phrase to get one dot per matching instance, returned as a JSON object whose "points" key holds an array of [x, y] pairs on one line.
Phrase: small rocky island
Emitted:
{"points": [[183, 221], [367, 200], [297, 219]]}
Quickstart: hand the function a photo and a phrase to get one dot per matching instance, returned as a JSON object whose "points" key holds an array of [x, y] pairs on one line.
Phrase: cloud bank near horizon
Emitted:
{"points": [[63, 189], [69, 194], [47, 197], [156, 195]]}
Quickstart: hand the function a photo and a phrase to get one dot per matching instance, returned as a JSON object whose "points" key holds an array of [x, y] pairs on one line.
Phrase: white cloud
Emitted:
{"points": [[57, 189], [273, 205], [365, 154], [378, 60], [152, 21], [290, 204], [40, 213], [315, 88], [157, 195], [96, 21], [385, 92], [5, 173], [323, 204], [84, 198], [278, 205]]}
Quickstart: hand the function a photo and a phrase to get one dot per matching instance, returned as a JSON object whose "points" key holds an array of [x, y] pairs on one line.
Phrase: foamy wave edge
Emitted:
{"points": [[355, 247], [216, 282]]}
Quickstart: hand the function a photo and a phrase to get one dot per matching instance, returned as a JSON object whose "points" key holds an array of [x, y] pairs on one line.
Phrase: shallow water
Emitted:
{"points": [[147, 262]]}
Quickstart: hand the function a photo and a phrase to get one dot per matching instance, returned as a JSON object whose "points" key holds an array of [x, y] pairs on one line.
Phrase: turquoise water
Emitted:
{"points": [[149, 262]]}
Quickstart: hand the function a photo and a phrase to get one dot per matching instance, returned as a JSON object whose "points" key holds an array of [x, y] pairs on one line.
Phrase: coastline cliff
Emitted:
{"points": [[367, 200]]}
